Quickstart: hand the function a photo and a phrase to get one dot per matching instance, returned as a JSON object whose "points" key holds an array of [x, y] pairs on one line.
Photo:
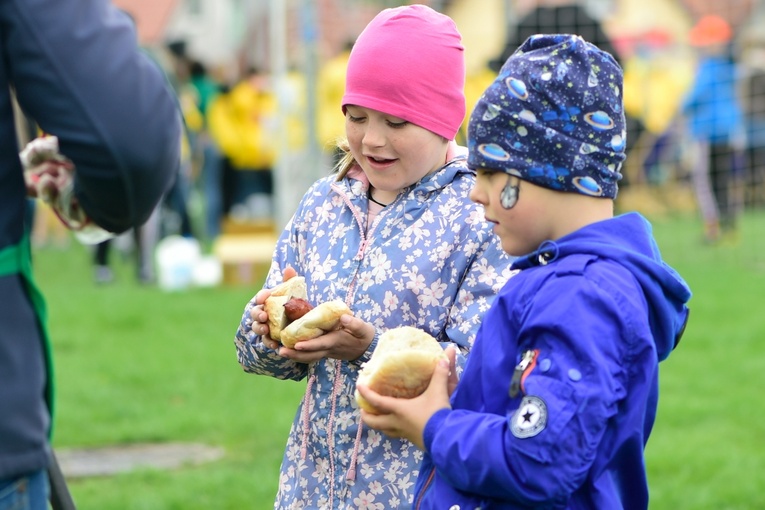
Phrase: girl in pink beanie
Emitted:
{"points": [[394, 235], [406, 70], [409, 62]]}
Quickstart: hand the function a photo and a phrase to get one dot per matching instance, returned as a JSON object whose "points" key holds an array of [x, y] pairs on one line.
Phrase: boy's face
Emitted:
{"points": [[519, 210]]}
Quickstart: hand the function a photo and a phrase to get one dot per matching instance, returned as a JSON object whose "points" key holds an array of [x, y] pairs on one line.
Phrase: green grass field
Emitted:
{"points": [[135, 364]]}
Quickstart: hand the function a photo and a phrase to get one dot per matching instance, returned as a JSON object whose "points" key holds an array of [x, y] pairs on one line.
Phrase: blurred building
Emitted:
{"points": [[151, 17]]}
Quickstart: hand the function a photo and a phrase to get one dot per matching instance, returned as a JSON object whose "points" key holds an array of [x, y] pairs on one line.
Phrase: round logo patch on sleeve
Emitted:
{"points": [[530, 418]]}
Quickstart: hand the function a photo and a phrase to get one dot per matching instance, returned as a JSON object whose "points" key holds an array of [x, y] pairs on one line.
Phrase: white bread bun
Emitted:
{"points": [[323, 318], [274, 305], [401, 365]]}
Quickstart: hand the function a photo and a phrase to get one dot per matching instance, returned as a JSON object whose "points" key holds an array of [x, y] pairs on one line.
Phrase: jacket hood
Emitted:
{"points": [[628, 241]]}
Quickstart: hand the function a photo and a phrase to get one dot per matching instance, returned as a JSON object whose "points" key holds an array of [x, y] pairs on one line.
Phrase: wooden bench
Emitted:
{"points": [[245, 251]]}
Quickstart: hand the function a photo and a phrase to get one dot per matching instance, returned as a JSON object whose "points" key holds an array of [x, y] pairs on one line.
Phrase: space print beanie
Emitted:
{"points": [[409, 62], [553, 117]]}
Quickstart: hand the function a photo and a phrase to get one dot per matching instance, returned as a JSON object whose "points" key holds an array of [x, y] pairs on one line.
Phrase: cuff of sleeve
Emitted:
{"points": [[368, 353], [433, 426]]}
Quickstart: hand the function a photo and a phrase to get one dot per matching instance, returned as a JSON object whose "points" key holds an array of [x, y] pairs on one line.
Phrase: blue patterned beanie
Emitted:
{"points": [[553, 117]]}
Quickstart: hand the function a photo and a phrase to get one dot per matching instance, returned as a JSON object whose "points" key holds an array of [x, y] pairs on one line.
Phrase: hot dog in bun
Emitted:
{"points": [[294, 288], [401, 365], [292, 319], [319, 320]]}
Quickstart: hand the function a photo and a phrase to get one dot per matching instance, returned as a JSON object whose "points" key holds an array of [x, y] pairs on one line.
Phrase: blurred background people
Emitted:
{"points": [[138, 245], [205, 89], [555, 17], [752, 63], [242, 123], [175, 216], [330, 127], [713, 113]]}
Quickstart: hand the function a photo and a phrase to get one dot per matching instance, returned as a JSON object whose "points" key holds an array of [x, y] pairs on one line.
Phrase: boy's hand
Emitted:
{"points": [[406, 418]]}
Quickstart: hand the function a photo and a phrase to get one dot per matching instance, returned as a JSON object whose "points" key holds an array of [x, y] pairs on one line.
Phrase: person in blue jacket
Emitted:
{"points": [[559, 394], [712, 111], [76, 70]]}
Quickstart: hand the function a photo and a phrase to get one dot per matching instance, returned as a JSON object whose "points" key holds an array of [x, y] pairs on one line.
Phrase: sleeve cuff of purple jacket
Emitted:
{"points": [[367, 355], [433, 426]]}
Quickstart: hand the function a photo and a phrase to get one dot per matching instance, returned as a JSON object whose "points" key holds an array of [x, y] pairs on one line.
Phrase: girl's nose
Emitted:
{"points": [[374, 135]]}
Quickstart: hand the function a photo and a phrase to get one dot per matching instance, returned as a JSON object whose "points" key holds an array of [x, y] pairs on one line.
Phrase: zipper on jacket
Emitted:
{"points": [[528, 360], [425, 488]]}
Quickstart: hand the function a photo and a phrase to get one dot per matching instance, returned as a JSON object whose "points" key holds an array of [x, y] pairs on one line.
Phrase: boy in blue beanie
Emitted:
{"points": [[559, 394]]}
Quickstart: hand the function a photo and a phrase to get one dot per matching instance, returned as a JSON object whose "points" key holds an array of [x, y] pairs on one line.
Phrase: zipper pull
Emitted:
{"points": [[515, 383], [362, 249]]}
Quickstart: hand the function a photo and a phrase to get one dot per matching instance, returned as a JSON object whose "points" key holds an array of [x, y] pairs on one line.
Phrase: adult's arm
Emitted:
{"points": [[79, 73]]}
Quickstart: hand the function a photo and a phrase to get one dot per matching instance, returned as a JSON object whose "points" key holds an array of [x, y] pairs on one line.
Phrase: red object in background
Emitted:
{"points": [[709, 30]]}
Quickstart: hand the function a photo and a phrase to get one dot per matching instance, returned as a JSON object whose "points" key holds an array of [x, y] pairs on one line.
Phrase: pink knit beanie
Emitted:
{"points": [[409, 62]]}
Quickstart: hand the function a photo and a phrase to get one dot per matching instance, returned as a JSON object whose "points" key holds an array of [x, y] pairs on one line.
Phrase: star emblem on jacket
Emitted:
{"points": [[530, 418]]}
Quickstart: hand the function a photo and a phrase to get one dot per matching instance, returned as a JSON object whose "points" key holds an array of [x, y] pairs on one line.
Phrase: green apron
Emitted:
{"points": [[18, 260]]}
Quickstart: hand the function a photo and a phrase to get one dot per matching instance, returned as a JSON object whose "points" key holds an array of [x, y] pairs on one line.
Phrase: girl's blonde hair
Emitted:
{"points": [[346, 162]]}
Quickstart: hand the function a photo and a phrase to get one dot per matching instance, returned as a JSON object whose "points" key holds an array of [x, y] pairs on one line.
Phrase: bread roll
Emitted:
{"points": [[402, 364], [274, 305], [323, 318]]}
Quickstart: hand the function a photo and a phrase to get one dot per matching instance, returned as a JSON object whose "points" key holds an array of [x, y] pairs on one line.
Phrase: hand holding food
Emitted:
{"points": [[292, 319], [294, 288], [49, 176], [401, 366]]}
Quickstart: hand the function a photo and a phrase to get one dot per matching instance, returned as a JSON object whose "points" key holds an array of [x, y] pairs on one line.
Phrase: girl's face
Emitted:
{"points": [[392, 152], [516, 208]]}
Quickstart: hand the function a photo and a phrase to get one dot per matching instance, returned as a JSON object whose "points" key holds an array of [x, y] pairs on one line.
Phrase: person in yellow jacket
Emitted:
{"points": [[330, 127], [243, 122]]}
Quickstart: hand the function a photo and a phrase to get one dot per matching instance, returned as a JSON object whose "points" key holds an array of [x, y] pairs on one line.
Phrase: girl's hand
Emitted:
{"points": [[347, 343], [259, 315]]}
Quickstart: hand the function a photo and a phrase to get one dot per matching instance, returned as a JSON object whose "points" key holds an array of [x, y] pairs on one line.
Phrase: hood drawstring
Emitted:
{"points": [[350, 475], [306, 416], [331, 430], [330, 426]]}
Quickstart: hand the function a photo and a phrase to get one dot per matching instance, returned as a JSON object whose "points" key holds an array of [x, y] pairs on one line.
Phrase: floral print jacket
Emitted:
{"points": [[428, 260]]}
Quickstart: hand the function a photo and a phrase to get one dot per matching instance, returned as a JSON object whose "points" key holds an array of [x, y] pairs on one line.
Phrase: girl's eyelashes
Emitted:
{"points": [[395, 124]]}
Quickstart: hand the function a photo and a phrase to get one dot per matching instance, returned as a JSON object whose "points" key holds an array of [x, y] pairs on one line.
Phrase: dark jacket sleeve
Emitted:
{"points": [[79, 73]]}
